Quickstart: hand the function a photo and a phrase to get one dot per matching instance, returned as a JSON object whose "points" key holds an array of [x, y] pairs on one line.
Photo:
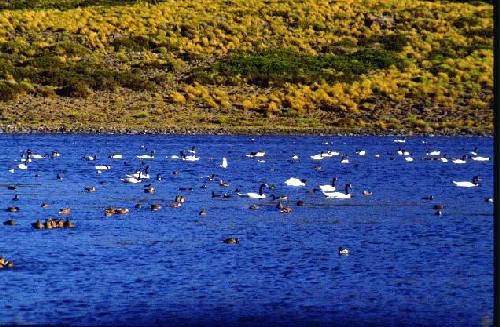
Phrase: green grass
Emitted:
{"points": [[275, 67]]}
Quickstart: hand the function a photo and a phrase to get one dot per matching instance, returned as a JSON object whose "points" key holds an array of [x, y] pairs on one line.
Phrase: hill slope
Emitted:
{"points": [[237, 65]]}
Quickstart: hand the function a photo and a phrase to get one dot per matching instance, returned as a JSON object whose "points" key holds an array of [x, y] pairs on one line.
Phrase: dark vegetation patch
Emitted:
{"points": [[276, 67], [68, 68]]}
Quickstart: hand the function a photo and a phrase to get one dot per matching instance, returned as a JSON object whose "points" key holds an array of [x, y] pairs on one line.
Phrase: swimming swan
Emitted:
{"points": [[292, 181], [259, 195], [340, 195], [473, 183], [329, 187]]}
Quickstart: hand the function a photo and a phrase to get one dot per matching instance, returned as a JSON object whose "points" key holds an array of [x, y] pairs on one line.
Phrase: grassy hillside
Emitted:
{"points": [[379, 65]]}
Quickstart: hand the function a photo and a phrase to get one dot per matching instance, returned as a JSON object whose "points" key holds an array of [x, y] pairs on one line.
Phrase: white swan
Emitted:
{"points": [[399, 141], [339, 195], [224, 163], [344, 160], [116, 156], [103, 167], [459, 161], [443, 159], [434, 153], [174, 156], [256, 154], [131, 180], [139, 175], [252, 195], [473, 183], [36, 156], [318, 156], [360, 152], [190, 158], [329, 187], [295, 157], [22, 166], [409, 159], [479, 158], [292, 181], [402, 152], [145, 156]]}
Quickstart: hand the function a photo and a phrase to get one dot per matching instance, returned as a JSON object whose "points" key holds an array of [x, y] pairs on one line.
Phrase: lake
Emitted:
{"points": [[407, 266]]}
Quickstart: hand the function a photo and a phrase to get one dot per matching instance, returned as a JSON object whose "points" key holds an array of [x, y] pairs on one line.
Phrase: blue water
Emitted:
{"points": [[408, 267]]}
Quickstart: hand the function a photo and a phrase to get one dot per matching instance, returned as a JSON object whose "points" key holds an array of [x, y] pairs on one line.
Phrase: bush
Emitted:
{"points": [[277, 67]]}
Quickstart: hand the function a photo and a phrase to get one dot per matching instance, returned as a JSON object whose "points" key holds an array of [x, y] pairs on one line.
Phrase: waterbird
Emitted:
{"points": [[340, 195], [252, 195], [479, 158], [232, 240], [115, 156], [343, 252], [256, 154], [473, 183], [224, 163], [292, 181], [329, 187]]}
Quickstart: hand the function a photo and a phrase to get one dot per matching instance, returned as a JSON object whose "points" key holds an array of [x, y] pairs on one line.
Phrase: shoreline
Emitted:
{"points": [[235, 131]]}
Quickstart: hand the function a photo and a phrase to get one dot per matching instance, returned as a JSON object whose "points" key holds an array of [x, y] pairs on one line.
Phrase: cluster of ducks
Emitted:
{"points": [[51, 223], [5, 263]]}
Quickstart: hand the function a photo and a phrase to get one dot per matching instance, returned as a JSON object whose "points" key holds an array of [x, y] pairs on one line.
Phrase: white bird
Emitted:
{"points": [[103, 167], [443, 159], [434, 153], [145, 156], [402, 152], [473, 183], [339, 195], [344, 160], [399, 141], [318, 156], [295, 157], [89, 157], [479, 158], [139, 175], [261, 161], [224, 163], [459, 161], [409, 159], [256, 154], [292, 181], [329, 153], [174, 156], [190, 158], [36, 156], [360, 152], [343, 252], [252, 195], [116, 156], [329, 187], [131, 180], [22, 166], [11, 170]]}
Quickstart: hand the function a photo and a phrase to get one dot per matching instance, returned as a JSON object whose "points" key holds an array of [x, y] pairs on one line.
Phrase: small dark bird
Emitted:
{"points": [[232, 240]]}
